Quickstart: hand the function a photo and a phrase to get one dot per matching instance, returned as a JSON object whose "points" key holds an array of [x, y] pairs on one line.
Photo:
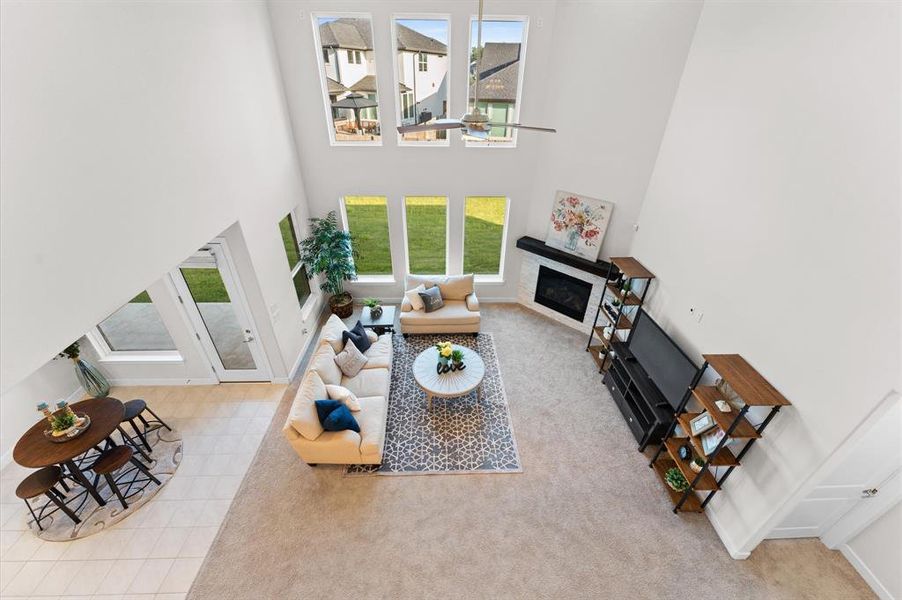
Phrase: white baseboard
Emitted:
{"points": [[152, 381], [782, 533], [865, 573], [725, 539]]}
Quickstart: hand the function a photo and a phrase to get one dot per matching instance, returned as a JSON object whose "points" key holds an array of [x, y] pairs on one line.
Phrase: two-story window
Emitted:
{"points": [[422, 75]]}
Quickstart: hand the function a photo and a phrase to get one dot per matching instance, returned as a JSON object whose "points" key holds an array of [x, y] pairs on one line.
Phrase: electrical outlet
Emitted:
{"points": [[696, 313], [539, 23]]}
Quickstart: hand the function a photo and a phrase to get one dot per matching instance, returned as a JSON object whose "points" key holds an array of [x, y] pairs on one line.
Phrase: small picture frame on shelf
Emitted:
{"points": [[701, 423], [710, 440]]}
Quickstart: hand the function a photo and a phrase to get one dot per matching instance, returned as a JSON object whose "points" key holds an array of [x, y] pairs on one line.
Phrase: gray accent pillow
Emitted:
{"points": [[432, 299], [350, 360]]}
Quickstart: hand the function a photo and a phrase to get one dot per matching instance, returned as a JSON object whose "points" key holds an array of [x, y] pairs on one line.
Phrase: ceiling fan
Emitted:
{"points": [[475, 124]]}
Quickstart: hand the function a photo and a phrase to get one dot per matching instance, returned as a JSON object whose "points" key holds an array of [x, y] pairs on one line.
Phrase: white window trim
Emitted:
{"points": [[486, 277], [518, 105], [106, 354], [313, 298], [327, 106], [385, 278], [447, 198], [394, 36]]}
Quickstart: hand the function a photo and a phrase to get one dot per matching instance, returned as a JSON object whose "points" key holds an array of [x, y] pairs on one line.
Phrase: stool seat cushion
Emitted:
{"points": [[39, 482], [133, 408], [112, 459]]}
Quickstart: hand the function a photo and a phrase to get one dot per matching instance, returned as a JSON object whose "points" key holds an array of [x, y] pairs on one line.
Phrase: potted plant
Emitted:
{"points": [[90, 378], [375, 307], [328, 251], [457, 357], [697, 464], [674, 478]]}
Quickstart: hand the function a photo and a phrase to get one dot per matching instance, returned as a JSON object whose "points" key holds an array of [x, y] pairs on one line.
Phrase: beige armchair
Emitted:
{"points": [[460, 314]]}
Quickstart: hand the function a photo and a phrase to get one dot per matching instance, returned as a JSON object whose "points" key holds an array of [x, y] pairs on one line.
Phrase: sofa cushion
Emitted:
{"points": [[372, 336], [332, 331], [453, 287], [323, 362], [380, 353], [455, 312], [356, 336], [369, 382], [412, 296], [303, 417], [350, 360], [372, 416], [343, 395], [338, 418], [432, 299]]}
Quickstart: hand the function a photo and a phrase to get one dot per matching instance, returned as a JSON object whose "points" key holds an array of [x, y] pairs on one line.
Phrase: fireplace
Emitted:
{"points": [[563, 293]]}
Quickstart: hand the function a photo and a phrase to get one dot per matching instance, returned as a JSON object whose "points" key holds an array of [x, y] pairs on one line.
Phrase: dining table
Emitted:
{"points": [[35, 450]]}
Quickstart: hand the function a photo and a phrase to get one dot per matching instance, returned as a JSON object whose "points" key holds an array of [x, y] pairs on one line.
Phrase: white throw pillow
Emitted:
{"points": [[343, 395], [350, 360], [413, 296], [372, 336]]}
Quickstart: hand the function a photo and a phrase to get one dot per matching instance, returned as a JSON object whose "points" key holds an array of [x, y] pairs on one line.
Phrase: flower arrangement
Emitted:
{"points": [[449, 358], [577, 219], [444, 350]]}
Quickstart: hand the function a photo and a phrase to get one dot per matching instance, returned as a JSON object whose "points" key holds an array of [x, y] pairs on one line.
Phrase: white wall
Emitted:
{"points": [[879, 550], [774, 211], [133, 133], [616, 67]]}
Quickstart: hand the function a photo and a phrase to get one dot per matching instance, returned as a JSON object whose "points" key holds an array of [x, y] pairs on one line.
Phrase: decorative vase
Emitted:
{"points": [[376, 312], [91, 378], [572, 239]]}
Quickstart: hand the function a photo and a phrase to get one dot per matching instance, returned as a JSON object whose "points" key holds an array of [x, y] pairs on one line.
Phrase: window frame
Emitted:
{"points": [[324, 87], [397, 77], [486, 277], [390, 278], [422, 62], [311, 299], [106, 354], [447, 198], [518, 103]]}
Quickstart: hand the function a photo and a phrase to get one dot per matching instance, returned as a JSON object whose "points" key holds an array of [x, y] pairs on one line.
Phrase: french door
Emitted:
{"points": [[209, 290]]}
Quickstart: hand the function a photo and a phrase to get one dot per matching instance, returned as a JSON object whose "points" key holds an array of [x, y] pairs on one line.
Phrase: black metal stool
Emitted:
{"points": [[134, 410], [43, 481], [114, 459]]}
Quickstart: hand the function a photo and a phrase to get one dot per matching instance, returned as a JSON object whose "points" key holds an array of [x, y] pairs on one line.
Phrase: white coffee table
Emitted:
{"points": [[453, 383]]}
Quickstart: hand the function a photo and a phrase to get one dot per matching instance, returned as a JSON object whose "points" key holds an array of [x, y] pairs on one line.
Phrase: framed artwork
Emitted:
{"points": [[701, 423], [578, 224], [710, 440]]}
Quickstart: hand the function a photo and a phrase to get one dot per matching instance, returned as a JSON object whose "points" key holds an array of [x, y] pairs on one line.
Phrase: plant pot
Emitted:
{"points": [[376, 312], [695, 468], [342, 305]]}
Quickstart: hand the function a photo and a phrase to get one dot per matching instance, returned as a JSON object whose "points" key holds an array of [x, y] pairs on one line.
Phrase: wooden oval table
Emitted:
{"points": [[453, 383], [34, 450]]}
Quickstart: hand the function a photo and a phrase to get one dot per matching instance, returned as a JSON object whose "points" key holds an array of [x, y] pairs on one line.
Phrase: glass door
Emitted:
{"points": [[208, 289]]}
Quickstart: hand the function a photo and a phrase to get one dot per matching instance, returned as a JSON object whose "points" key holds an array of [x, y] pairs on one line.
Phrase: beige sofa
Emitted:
{"points": [[460, 314], [302, 428]]}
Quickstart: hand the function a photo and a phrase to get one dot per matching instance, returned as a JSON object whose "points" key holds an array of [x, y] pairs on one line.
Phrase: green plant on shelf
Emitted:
{"points": [[371, 302], [699, 461], [62, 420], [674, 478]]}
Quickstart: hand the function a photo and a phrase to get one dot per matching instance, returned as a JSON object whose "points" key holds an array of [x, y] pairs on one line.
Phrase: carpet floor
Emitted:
{"points": [[585, 519]]}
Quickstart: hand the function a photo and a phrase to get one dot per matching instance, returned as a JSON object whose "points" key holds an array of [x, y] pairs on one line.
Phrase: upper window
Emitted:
{"points": [[366, 219], [427, 234], [348, 71], [421, 66], [496, 72], [136, 327], [298, 271], [484, 228]]}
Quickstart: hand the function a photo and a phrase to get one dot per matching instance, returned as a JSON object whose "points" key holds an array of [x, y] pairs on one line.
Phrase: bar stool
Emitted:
{"points": [[114, 459], [43, 481], [134, 410]]}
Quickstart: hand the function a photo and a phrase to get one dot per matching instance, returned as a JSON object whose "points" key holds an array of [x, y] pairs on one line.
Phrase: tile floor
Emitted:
{"points": [[156, 553]]}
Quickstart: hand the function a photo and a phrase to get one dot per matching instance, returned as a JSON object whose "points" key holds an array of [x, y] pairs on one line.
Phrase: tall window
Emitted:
{"points": [[366, 218], [484, 221], [349, 78], [292, 252], [421, 65], [136, 327], [427, 234], [499, 65]]}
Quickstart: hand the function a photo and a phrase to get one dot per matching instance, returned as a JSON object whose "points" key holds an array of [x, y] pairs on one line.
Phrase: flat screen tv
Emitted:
{"points": [[666, 365]]}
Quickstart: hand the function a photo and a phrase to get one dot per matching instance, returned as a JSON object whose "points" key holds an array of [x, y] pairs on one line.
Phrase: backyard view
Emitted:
{"points": [[426, 233]]}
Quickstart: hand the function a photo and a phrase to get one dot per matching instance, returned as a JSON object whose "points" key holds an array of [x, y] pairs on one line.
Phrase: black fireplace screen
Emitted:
{"points": [[563, 293]]}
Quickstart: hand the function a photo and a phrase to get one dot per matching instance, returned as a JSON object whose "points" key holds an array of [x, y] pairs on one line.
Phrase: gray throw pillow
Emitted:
{"points": [[432, 299], [350, 360]]}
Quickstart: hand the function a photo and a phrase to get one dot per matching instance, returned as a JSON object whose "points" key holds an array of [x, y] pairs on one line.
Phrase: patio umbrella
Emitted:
{"points": [[355, 102]]}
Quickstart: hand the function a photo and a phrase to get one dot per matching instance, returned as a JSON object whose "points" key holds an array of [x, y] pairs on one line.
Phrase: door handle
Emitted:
{"points": [[869, 493], [249, 339]]}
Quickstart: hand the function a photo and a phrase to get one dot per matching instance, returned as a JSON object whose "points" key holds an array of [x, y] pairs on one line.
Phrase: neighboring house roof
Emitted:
{"points": [[414, 41], [335, 87], [367, 83], [355, 34], [500, 70]]}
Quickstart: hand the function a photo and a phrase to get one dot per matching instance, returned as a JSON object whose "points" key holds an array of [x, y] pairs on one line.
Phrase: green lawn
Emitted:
{"points": [[426, 233]]}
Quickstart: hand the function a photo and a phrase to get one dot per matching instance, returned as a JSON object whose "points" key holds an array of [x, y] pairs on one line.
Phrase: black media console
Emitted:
{"points": [[645, 409]]}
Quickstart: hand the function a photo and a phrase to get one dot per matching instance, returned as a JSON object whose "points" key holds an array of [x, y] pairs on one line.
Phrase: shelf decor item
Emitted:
{"points": [[697, 465], [701, 423], [449, 358], [674, 478], [711, 440], [90, 378], [375, 307], [578, 224], [64, 423], [329, 250]]}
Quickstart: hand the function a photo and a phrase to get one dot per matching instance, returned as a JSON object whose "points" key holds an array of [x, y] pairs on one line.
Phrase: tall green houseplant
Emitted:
{"points": [[329, 251]]}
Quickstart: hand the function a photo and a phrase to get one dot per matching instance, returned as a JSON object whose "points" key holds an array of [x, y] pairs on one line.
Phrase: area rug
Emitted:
{"points": [[458, 435]]}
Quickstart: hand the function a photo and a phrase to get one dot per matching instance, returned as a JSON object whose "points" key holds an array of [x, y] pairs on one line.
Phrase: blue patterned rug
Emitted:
{"points": [[458, 435]]}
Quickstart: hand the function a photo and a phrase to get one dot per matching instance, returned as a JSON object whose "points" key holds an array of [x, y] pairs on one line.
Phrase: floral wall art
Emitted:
{"points": [[578, 224]]}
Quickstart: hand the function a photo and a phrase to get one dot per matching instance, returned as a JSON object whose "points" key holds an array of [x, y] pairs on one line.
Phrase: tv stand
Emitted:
{"points": [[647, 412]]}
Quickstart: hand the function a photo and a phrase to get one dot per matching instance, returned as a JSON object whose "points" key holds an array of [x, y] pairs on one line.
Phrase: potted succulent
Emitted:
{"points": [[375, 307], [328, 250], [457, 358], [674, 478], [697, 464]]}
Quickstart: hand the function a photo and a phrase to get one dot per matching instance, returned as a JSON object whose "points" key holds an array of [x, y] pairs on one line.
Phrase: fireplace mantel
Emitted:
{"points": [[598, 267]]}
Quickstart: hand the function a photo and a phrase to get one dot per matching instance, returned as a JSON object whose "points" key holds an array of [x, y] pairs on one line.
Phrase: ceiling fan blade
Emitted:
{"points": [[530, 127], [436, 125]]}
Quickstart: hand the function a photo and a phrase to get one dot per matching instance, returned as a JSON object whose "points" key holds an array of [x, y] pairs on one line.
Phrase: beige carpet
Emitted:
{"points": [[586, 519]]}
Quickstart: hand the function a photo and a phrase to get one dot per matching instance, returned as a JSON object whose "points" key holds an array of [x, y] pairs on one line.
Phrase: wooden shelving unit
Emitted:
{"points": [[754, 391], [630, 275]]}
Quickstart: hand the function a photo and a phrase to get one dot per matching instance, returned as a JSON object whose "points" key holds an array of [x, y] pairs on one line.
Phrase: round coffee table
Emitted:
{"points": [[453, 383]]}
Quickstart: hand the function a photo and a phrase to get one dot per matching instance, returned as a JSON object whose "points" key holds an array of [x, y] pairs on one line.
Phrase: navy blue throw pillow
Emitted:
{"points": [[357, 337], [341, 419], [325, 407]]}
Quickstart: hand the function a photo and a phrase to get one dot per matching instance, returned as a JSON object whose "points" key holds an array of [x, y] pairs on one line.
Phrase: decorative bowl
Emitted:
{"points": [[81, 425]]}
